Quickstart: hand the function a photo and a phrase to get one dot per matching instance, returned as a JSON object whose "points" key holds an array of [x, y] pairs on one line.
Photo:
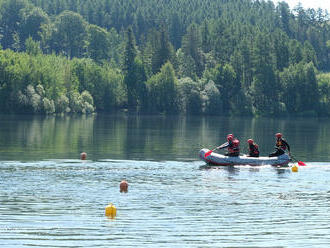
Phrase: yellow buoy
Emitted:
{"points": [[294, 168], [110, 210]]}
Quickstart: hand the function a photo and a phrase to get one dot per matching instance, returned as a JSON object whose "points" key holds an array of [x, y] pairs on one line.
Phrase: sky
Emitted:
{"points": [[315, 4]]}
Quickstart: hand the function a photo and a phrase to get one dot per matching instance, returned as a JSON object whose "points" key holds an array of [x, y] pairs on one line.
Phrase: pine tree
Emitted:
{"points": [[163, 52], [128, 67]]}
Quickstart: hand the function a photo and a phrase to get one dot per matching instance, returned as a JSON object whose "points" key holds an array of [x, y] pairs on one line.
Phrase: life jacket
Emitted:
{"points": [[280, 144], [233, 146], [254, 149]]}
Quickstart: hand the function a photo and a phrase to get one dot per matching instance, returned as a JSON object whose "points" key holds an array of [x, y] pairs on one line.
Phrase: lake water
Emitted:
{"points": [[50, 198]]}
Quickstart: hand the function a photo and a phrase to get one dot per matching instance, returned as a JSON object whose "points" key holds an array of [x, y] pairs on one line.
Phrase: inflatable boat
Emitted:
{"points": [[219, 159]]}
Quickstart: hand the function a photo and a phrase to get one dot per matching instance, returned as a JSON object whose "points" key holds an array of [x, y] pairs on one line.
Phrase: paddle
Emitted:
{"points": [[300, 163], [218, 147]]}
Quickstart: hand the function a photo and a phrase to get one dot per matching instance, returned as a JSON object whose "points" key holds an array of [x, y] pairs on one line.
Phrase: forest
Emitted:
{"points": [[192, 57]]}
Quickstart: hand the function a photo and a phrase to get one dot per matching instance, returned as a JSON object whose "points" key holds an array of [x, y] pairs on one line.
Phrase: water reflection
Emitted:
{"points": [[152, 137]]}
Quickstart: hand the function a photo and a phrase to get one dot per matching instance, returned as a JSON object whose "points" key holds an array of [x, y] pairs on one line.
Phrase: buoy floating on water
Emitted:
{"points": [[83, 156], [294, 168], [110, 210], [123, 186]]}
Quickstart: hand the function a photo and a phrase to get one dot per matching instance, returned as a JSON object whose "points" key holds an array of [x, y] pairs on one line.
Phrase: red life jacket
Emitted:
{"points": [[280, 144], [254, 149], [233, 146]]}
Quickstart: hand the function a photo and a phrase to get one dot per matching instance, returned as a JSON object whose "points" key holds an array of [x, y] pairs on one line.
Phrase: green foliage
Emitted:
{"points": [[135, 74], [281, 49], [62, 104], [87, 101], [224, 78], [163, 50], [10, 20], [211, 100], [32, 47], [197, 57], [48, 106], [191, 47], [68, 34], [295, 50], [264, 89], [323, 80], [50, 84], [189, 96], [300, 90], [33, 100], [162, 91], [309, 54], [98, 43], [130, 51], [32, 19]]}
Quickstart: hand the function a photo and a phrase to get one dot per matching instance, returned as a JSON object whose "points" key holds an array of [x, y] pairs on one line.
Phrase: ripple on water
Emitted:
{"points": [[60, 203]]}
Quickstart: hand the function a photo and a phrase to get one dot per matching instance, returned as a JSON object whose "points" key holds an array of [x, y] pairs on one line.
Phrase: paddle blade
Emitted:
{"points": [[301, 163], [208, 153]]}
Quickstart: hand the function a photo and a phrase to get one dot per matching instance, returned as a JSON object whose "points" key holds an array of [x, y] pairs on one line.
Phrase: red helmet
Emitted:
{"points": [[230, 137], [236, 141], [278, 135], [250, 141]]}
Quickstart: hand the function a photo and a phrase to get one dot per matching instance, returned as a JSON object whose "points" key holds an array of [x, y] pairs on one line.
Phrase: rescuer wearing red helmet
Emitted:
{"points": [[232, 145], [253, 148], [280, 146]]}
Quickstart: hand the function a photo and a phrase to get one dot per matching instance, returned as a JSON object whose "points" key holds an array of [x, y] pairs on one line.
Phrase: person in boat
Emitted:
{"points": [[232, 145], [280, 146], [253, 148]]}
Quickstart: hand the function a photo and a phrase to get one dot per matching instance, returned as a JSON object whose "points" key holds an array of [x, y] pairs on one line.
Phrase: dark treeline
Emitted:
{"points": [[217, 57]]}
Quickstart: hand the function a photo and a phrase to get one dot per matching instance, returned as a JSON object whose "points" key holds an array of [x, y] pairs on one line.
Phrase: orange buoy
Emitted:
{"points": [[83, 155], [123, 186]]}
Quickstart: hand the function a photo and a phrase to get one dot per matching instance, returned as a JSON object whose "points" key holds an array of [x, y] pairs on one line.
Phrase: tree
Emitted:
{"points": [[205, 34], [281, 49], [176, 30], [189, 96], [283, 10], [162, 92], [32, 21], [265, 88], [10, 20], [32, 47], [310, 94], [323, 80], [69, 34], [98, 43], [191, 47], [224, 78], [300, 91], [295, 50], [135, 74], [247, 65], [128, 67], [163, 51], [302, 22], [211, 100], [309, 54]]}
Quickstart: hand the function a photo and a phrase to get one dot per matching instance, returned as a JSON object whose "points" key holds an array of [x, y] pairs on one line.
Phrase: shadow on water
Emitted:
{"points": [[231, 169], [281, 172]]}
